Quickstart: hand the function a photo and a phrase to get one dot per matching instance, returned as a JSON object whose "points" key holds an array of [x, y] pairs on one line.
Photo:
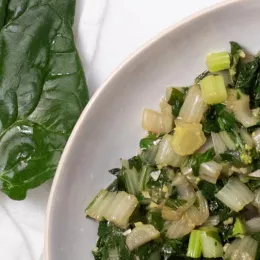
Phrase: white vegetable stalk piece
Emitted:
{"points": [[141, 235], [166, 154], [203, 207], [167, 116], [112, 206], [212, 221], [193, 107], [255, 174], [180, 228], [244, 248], [193, 216], [211, 244], [227, 140], [235, 194], [242, 111], [219, 145], [205, 147], [256, 138], [170, 214], [96, 207], [253, 225], [121, 209], [210, 171], [247, 138], [256, 201], [184, 188], [152, 121]]}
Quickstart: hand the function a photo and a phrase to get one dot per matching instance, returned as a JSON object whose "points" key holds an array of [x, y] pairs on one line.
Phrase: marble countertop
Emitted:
{"points": [[106, 32]]}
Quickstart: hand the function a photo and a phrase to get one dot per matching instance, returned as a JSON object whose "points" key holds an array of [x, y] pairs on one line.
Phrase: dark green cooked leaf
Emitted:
{"points": [[226, 120], [202, 76], [43, 90], [198, 158], [236, 54], [110, 238], [148, 141], [3, 7], [217, 119], [176, 100]]}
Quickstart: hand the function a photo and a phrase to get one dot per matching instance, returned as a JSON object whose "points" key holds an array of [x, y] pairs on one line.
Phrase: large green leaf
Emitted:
{"points": [[42, 90]]}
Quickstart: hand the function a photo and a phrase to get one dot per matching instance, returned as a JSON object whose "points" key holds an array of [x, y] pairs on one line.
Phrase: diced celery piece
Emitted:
{"points": [[195, 248], [213, 89], [218, 61], [239, 228], [211, 243]]}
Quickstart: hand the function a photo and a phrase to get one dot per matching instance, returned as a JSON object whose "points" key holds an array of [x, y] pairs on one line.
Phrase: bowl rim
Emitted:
{"points": [[66, 152]]}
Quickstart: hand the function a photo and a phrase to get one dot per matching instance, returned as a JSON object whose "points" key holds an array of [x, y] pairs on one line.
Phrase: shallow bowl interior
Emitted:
{"points": [[110, 126]]}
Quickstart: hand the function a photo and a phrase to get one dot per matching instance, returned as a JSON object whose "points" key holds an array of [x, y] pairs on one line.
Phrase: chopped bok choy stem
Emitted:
{"points": [[166, 154], [227, 140], [193, 107], [112, 206], [235, 195], [256, 138], [244, 248], [140, 235], [152, 121], [242, 112], [253, 225], [179, 228], [218, 143], [210, 171]]}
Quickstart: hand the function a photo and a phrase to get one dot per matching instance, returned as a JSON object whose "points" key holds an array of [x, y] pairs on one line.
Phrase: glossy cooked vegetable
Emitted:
{"points": [[42, 90], [196, 181]]}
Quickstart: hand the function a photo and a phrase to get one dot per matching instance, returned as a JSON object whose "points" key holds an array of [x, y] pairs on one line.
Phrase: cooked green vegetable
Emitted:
{"points": [[213, 89], [218, 61], [197, 185], [43, 90], [176, 99]]}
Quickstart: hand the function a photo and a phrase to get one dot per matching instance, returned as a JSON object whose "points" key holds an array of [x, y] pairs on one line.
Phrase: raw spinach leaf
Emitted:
{"points": [[198, 158], [43, 90], [176, 100]]}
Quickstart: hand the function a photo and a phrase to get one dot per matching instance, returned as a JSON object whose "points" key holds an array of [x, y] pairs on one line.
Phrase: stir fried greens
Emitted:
{"points": [[193, 192]]}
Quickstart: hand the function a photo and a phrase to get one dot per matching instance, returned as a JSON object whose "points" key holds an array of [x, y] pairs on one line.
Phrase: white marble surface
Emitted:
{"points": [[107, 32]]}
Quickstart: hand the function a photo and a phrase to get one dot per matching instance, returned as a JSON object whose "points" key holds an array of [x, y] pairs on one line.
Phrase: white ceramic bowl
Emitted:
{"points": [[110, 126]]}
